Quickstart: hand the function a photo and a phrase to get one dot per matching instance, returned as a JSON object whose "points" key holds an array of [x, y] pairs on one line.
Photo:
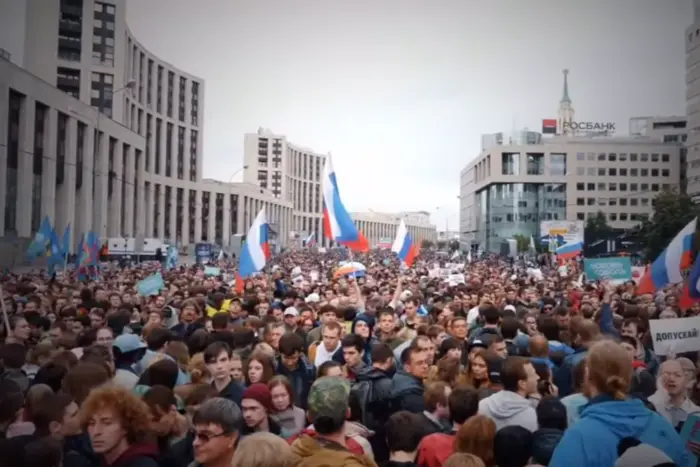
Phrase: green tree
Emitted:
{"points": [[597, 228], [672, 211], [523, 242], [441, 244], [426, 244], [453, 245]]}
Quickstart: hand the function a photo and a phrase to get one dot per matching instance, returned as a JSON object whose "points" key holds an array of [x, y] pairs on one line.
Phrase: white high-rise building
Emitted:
{"points": [[99, 133], [692, 91], [291, 173]]}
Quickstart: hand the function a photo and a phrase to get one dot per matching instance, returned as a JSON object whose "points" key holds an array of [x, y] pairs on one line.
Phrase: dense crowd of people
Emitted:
{"points": [[489, 363]]}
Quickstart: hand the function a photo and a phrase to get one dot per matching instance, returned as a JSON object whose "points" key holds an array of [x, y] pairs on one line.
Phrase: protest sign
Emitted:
{"points": [[674, 336], [618, 269], [152, 285], [212, 271]]}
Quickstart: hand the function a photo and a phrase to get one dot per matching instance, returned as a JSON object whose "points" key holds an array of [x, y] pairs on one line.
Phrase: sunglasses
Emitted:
{"points": [[206, 437]]}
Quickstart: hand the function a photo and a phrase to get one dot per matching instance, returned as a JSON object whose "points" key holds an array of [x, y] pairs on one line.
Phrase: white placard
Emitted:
{"points": [[296, 271], [674, 336], [314, 276]]}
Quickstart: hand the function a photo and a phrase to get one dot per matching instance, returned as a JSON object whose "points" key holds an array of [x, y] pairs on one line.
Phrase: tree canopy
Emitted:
{"points": [[597, 228], [523, 242], [672, 211], [426, 244]]}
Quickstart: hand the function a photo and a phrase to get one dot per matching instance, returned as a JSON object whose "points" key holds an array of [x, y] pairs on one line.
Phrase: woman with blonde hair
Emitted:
{"points": [[611, 420], [262, 450]]}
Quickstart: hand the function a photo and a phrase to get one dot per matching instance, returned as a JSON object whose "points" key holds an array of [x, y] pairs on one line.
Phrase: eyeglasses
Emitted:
{"points": [[206, 437]]}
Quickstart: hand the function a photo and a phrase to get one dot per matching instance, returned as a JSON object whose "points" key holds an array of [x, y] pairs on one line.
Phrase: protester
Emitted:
{"points": [[396, 365]]}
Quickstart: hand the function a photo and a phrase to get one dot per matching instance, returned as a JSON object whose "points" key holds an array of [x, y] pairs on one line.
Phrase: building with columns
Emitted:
{"points": [[380, 227], [291, 173], [99, 133]]}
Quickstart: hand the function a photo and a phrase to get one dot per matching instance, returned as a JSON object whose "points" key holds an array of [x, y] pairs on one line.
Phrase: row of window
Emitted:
{"points": [[614, 216], [622, 172], [623, 157], [633, 187], [142, 71], [644, 202]]}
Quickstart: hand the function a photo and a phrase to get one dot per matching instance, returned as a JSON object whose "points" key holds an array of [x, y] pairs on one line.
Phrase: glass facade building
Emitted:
{"points": [[507, 209]]}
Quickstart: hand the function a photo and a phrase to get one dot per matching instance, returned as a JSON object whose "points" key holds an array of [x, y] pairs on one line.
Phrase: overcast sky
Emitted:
{"points": [[400, 91]]}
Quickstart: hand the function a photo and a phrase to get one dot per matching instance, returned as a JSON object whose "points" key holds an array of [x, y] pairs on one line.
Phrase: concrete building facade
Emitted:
{"points": [[291, 173], [99, 133]]}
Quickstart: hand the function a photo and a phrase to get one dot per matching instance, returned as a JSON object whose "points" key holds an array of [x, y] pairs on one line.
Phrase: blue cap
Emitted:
{"points": [[128, 343]]}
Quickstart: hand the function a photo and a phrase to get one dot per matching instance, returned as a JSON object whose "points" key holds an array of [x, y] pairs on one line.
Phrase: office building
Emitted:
{"points": [[380, 227], [98, 133], [511, 188], [291, 173], [692, 94]]}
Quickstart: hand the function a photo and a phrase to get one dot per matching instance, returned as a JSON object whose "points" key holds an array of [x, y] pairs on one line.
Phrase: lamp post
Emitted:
{"points": [[230, 188], [95, 147]]}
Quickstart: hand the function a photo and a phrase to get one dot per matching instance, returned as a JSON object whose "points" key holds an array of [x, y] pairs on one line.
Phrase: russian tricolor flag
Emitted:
{"points": [[256, 249], [337, 223], [669, 266], [310, 240], [403, 245]]}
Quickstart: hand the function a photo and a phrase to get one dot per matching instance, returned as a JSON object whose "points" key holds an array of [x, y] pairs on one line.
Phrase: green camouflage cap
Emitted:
{"points": [[329, 397]]}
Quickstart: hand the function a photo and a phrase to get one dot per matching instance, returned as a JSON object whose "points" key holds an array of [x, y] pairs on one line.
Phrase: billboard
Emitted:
{"points": [[565, 238]]}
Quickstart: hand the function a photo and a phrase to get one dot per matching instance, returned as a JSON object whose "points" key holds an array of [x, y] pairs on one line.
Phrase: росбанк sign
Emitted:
{"points": [[590, 126]]}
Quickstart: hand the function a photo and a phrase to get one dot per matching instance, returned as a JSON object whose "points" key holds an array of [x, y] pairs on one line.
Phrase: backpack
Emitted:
{"points": [[361, 391]]}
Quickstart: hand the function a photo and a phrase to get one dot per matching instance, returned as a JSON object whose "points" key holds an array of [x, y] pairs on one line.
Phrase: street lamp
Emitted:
{"points": [[130, 84], [230, 187], [230, 180]]}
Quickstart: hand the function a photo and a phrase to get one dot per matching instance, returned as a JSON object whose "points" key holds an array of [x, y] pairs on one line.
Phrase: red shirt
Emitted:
{"points": [[434, 449]]}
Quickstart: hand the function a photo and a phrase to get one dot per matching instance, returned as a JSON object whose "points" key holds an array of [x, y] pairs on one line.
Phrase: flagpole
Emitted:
{"points": [[6, 318]]}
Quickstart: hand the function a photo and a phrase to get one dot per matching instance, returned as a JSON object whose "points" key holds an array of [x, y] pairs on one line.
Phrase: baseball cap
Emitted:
{"points": [[328, 403], [291, 311], [128, 343], [313, 298], [477, 343]]}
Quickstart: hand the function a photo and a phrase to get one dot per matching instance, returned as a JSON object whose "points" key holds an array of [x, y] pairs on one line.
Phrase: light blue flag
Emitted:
{"points": [[54, 253], [212, 271], [152, 285], [172, 257], [41, 241], [65, 242]]}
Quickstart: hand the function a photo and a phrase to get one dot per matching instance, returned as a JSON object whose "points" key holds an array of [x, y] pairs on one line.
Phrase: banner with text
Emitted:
{"points": [[617, 269], [674, 336]]}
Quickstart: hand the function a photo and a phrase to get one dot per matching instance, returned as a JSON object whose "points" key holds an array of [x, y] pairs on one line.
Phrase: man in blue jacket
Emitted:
{"points": [[407, 393]]}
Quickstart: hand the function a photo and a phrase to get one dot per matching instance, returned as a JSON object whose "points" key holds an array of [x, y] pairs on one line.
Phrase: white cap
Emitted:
{"points": [[405, 295], [509, 307], [312, 298], [291, 311]]}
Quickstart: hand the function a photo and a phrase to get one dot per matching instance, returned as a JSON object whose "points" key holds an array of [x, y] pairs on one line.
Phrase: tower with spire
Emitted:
{"points": [[566, 113]]}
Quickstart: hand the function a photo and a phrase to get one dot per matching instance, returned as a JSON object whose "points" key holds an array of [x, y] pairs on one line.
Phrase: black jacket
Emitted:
{"points": [[138, 455], [373, 390], [233, 392], [407, 393]]}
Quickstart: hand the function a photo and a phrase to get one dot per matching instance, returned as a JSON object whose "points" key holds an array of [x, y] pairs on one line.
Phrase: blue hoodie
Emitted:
{"points": [[604, 422]]}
